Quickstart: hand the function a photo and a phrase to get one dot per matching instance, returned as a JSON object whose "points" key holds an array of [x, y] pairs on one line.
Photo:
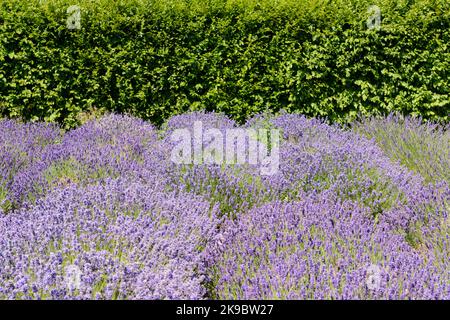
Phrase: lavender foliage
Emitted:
{"points": [[129, 240], [352, 213]]}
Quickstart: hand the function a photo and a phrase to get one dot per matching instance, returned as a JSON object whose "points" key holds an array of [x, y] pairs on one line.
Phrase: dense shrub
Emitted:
{"points": [[159, 58], [321, 248], [37, 157], [129, 240], [421, 147]]}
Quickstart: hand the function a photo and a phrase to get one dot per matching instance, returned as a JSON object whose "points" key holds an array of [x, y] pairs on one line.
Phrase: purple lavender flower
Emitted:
{"points": [[101, 212], [129, 240], [322, 248]]}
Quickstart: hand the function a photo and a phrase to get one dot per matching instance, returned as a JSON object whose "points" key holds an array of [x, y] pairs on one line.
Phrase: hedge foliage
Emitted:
{"points": [[155, 58]]}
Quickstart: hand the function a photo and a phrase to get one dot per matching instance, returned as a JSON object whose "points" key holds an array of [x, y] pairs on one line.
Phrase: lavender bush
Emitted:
{"points": [[423, 147], [351, 213], [22, 147], [111, 147], [129, 240], [322, 248]]}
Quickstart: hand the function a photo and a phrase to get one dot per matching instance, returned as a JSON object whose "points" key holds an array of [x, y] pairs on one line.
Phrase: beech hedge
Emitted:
{"points": [[154, 59]]}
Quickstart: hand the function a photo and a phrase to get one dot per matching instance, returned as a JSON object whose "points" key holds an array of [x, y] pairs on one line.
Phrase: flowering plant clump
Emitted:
{"points": [[104, 212], [423, 147], [129, 241], [22, 149], [321, 248], [108, 148]]}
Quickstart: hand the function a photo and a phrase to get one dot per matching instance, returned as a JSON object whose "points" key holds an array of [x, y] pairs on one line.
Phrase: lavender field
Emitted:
{"points": [[103, 212]]}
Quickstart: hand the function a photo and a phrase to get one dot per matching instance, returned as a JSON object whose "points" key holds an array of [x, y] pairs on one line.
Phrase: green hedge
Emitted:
{"points": [[157, 58]]}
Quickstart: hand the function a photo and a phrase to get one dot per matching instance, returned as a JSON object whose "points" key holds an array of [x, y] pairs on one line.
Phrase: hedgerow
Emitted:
{"points": [[154, 59]]}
